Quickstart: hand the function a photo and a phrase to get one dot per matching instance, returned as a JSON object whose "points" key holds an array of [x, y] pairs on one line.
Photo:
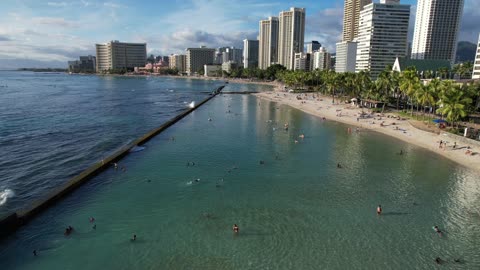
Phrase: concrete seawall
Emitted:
{"points": [[13, 221]]}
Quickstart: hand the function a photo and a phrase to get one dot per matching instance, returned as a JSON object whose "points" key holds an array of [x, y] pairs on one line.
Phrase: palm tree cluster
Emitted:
{"points": [[404, 91]]}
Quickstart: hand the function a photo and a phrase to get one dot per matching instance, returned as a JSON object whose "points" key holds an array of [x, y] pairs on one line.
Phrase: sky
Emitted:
{"points": [[48, 33]]}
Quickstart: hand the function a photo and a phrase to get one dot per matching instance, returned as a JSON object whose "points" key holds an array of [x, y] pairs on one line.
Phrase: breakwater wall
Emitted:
{"points": [[13, 221]]}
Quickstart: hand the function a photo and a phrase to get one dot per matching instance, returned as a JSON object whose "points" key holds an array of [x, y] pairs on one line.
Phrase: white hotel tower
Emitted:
{"points": [[268, 42], [291, 36], [436, 29], [382, 37]]}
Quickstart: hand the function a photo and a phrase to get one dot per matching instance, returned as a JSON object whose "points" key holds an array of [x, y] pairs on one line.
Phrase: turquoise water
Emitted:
{"points": [[295, 211], [54, 125]]}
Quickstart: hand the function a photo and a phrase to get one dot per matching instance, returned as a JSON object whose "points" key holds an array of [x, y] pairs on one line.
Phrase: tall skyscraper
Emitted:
{"points": [[250, 53], [120, 55], [476, 62], [313, 46], [268, 42], [351, 18], [291, 36], [436, 29], [382, 36]]}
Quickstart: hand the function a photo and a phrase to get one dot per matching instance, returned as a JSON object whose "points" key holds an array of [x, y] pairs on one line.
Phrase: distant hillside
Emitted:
{"points": [[465, 51]]}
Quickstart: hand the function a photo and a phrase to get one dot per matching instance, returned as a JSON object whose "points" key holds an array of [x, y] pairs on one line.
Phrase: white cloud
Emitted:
{"points": [[57, 4], [113, 5], [53, 21]]}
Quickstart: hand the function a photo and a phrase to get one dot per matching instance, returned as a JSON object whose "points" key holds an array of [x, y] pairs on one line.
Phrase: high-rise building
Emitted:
{"points": [[86, 64], [233, 54], [268, 42], [346, 56], [436, 29], [250, 53], [120, 55], [219, 55], [313, 46], [382, 36], [351, 18], [198, 57], [321, 59], [178, 61], [476, 62], [291, 36], [302, 61]]}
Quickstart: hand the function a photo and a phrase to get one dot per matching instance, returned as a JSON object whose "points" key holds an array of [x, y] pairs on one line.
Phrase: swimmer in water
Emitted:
{"points": [[339, 166], [134, 237], [437, 230], [262, 162], [94, 226], [235, 228], [92, 219], [301, 136], [438, 260], [115, 166], [35, 252], [379, 210], [197, 180]]}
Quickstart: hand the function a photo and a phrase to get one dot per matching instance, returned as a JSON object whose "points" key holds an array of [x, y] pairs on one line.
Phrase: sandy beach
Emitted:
{"points": [[322, 106]]}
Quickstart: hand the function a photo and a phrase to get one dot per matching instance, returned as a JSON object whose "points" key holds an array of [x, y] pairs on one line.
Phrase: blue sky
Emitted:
{"points": [[51, 32]]}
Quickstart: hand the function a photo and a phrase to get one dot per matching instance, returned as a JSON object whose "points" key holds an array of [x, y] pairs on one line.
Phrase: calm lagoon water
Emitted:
{"points": [[295, 211]]}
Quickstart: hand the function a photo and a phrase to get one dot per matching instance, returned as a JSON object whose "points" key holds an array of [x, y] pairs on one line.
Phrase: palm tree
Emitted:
{"points": [[453, 104], [425, 97], [409, 84], [384, 85], [331, 82]]}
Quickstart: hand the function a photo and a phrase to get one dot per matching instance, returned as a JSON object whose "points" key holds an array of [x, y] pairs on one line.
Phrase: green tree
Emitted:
{"points": [[453, 104]]}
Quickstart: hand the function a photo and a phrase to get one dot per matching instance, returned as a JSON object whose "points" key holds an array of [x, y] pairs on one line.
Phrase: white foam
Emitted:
{"points": [[4, 195], [192, 105]]}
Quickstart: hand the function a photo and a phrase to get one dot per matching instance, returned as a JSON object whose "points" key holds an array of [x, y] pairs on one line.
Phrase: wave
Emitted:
{"points": [[137, 149], [4, 195]]}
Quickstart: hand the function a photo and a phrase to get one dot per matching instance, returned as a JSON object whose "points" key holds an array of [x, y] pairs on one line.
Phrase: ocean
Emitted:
{"points": [[294, 207]]}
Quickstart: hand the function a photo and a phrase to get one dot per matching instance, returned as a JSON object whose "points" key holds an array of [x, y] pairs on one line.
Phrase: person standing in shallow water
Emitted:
{"points": [[379, 210]]}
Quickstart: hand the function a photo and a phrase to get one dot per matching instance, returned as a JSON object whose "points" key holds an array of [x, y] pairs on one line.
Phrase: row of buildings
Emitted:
{"points": [[375, 34]]}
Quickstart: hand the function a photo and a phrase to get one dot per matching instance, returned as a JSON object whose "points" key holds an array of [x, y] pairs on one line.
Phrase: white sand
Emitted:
{"points": [[322, 107]]}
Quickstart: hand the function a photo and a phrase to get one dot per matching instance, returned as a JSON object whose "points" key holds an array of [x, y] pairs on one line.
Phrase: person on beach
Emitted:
{"points": [[235, 228], [440, 145], [454, 145], [379, 209]]}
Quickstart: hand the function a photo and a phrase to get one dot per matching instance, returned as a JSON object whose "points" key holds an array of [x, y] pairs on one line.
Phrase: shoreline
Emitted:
{"points": [[321, 106]]}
